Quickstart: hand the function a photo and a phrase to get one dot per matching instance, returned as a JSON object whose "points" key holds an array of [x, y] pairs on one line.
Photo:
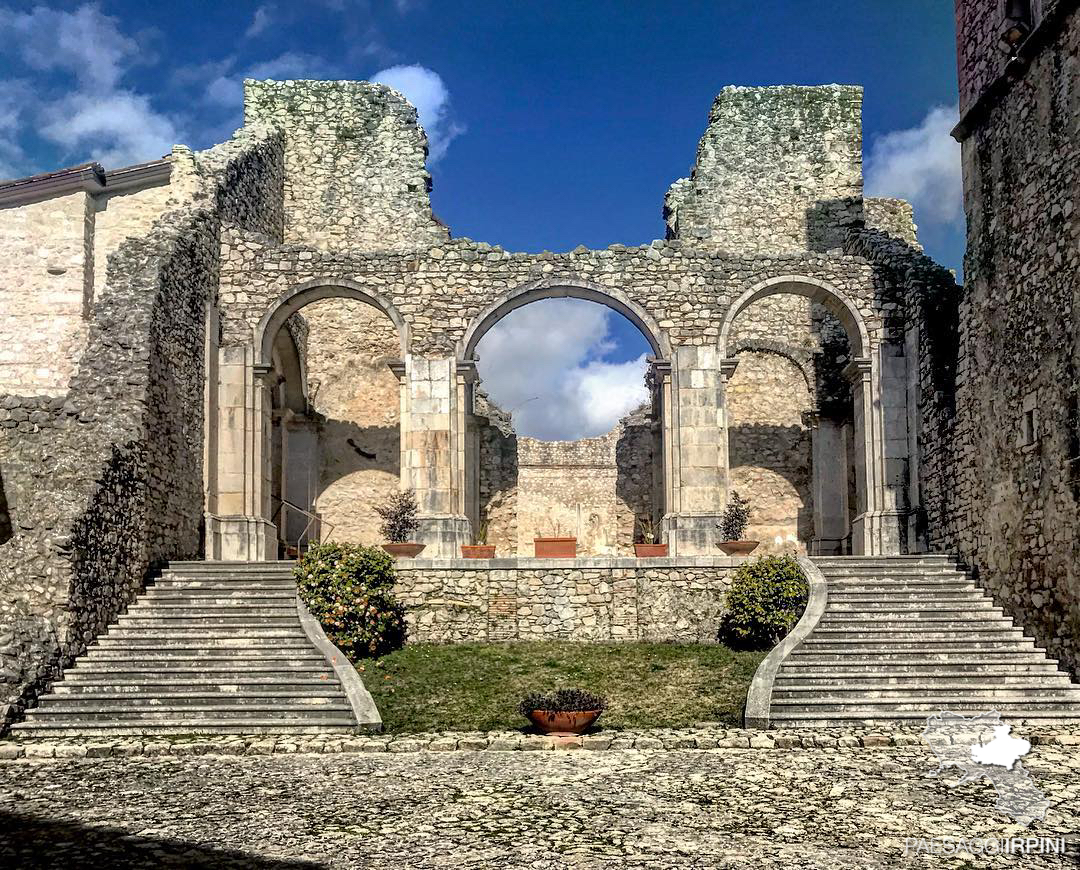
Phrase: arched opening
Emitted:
{"points": [[7, 527], [332, 419], [565, 428], [796, 447]]}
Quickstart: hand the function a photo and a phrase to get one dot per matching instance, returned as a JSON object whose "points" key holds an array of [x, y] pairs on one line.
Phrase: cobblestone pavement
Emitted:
{"points": [[762, 808]]}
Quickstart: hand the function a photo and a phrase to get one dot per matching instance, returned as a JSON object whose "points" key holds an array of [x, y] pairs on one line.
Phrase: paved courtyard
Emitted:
{"points": [[761, 808]]}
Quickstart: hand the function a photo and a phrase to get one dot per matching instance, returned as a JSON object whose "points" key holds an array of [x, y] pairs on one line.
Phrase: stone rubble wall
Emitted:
{"points": [[1008, 466], [106, 481], [354, 164], [778, 169], [618, 600]]}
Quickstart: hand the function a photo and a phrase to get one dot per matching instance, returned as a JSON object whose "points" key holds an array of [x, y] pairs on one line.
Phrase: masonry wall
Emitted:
{"points": [[593, 600], [351, 385], [1011, 501], [46, 266], [105, 481], [778, 169], [354, 164]]}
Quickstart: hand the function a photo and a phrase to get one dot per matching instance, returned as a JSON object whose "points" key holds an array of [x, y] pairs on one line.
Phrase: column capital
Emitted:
{"points": [[397, 366], [728, 366], [466, 369], [262, 370], [858, 370]]}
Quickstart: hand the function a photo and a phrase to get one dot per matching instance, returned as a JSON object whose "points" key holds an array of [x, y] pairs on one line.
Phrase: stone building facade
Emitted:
{"points": [[1009, 439], [222, 348]]}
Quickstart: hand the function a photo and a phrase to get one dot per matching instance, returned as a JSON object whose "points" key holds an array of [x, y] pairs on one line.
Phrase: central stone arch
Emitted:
{"points": [[564, 288]]}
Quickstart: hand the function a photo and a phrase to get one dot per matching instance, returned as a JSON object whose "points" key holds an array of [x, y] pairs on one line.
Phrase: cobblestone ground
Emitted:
{"points": [[764, 808]]}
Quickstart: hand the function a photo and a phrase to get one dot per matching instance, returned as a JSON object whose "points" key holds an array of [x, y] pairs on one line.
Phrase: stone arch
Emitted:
{"points": [[800, 285], [286, 356], [562, 288], [311, 291]]}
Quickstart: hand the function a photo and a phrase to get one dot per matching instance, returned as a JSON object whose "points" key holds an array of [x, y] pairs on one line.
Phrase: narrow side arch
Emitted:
{"points": [[799, 285], [564, 288], [311, 291]]}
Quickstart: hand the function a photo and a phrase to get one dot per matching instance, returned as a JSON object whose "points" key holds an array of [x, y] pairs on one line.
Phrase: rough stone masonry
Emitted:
{"points": [[215, 354]]}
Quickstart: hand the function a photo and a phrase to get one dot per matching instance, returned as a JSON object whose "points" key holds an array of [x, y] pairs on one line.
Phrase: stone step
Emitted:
{"points": [[918, 617], [1017, 704], [852, 656], [940, 678], [890, 623], [193, 586], [150, 685], [904, 605], [134, 638], [874, 600], [870, 647], [213, 709], [182, 621], [75, 727], [881, 632], [781, 718], [907, 594], [857, 691], [197, 655], [105, 702], [238, 608], [193, 647], [181, 669], [215, 598]]}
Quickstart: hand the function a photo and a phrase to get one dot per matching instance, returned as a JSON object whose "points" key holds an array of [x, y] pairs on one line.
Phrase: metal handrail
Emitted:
{"points": [[313, 519]]}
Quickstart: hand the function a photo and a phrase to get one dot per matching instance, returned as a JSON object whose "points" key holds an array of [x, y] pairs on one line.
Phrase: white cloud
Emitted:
{"points": [[13, 95], [545, 363], [95, 117], [260, 21], [84, 42], [227, 89], [116, 129], [921, 165], [425, 89]]}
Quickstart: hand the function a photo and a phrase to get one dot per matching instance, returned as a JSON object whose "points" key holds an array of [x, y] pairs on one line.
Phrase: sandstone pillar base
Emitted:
{"points": [[443, 535], [241, 539], [878, 533], [692, 534]]}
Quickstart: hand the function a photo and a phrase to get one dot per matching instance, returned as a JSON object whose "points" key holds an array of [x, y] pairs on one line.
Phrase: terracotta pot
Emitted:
{"points": [[555, 548], [570, 722], [650, 551], [407, 550], [738, 548], [478, 551]]}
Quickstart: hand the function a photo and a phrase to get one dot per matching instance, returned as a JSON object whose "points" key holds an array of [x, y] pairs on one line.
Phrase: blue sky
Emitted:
{"points": [[552, 124]]}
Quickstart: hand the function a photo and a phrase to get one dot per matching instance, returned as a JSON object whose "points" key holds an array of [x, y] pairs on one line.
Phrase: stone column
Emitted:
{"points": [[432, 451], [829, 485], [876, 529], [240, 528], [301, 484], [696, 433]]}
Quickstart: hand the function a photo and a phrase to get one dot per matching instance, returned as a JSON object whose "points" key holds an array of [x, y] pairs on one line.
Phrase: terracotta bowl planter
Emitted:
{"points": [[738, 548], [569, 722], [407, 550], [478, 551], [555, 548], [650, 551]]}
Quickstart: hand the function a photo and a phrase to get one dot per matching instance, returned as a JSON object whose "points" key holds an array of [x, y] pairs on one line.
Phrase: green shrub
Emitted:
{"points": [[350, 590], [766, 599]]}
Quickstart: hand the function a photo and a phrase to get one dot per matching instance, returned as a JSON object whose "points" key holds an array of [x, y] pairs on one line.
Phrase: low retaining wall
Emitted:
{"points": [[598, 599]]}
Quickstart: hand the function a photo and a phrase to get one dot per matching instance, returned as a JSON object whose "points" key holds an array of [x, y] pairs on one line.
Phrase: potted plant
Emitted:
{"points": [[648, 547], [480, 548], [555, 546], [567, 711], [399, 523], [732, 525]]}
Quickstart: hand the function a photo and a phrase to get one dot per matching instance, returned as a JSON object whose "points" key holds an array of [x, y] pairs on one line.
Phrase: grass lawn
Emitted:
{"points": [[477, 686]]}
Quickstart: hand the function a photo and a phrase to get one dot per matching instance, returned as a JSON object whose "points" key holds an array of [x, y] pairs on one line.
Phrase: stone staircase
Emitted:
{"points": [[209, 647], [902, 637]]}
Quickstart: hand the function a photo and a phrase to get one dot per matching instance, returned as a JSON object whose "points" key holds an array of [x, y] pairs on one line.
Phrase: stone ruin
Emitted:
{"points": [[227, 354]]}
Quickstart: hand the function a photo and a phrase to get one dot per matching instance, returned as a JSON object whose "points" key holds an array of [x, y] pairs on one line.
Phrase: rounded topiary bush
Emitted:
{"points": [[766, 599], [349, 588]]}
